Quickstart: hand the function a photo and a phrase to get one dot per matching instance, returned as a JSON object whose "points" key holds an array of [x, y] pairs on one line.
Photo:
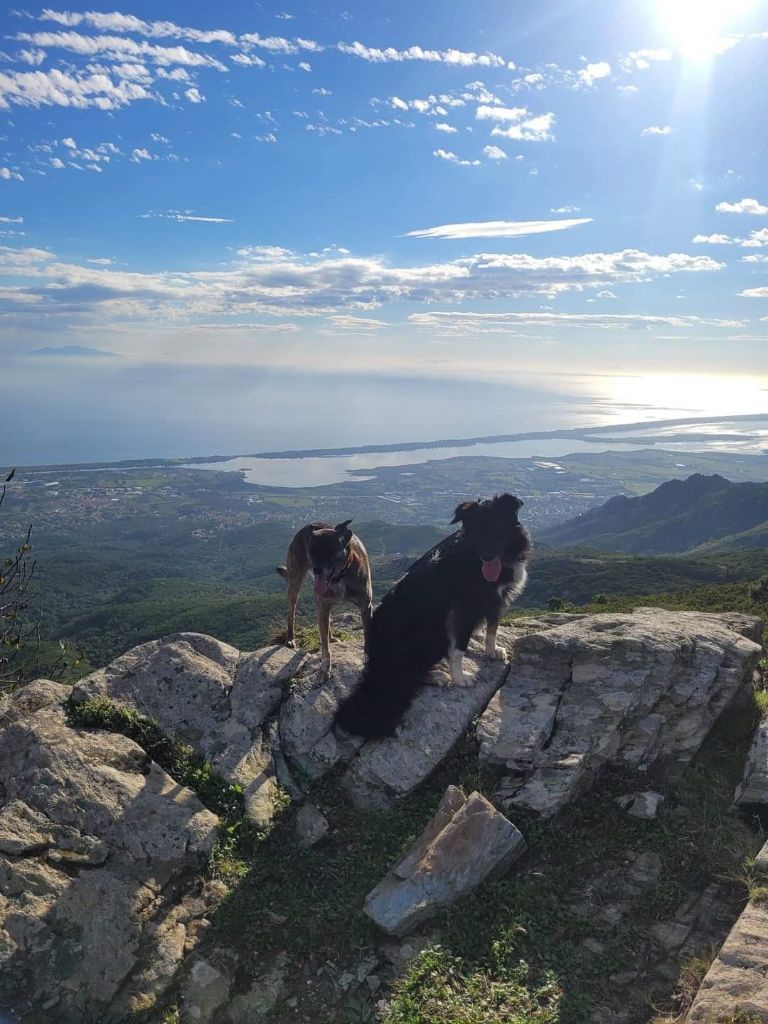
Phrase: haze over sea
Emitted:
{"points": [[81, 415]]}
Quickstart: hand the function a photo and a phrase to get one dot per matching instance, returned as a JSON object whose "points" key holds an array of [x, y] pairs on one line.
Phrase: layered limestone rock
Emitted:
{"points": [[629, 689], [466, 843], [100, 853]]}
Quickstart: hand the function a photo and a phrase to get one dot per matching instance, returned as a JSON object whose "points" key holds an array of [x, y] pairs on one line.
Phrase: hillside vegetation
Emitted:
{"points": [[678, 516]]}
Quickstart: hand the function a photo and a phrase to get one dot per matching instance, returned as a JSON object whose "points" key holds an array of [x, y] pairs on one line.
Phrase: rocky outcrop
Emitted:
{"points": [[207, 694], [630, 689], [466, 843], [100, 858], [736, 985], [101, 853], [752, 791]]}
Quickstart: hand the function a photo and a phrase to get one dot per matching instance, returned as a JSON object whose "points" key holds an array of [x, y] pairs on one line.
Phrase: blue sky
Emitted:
{"points": [[444, 189]]}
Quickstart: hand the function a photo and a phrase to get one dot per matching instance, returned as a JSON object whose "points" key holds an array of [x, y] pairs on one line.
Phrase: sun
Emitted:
{"points": [[699, 28]]}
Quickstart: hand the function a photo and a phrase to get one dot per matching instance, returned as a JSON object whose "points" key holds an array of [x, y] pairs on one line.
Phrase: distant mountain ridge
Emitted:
{"points": [[707, 513]]}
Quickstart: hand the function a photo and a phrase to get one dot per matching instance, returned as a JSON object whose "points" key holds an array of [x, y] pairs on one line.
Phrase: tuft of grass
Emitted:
{"points": [[307, 638], [439, 989], [178, 759]]}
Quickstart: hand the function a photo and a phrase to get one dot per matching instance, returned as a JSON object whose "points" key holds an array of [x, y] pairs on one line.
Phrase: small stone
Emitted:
{"points": [[204, 991], [641, 805], [311, 825], [593, 946], [761, 860]]}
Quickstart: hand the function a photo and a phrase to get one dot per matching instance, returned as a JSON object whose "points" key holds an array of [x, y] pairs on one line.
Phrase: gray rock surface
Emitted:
{"points": [[737, 981], [439, 716], [98, 848], [644, 805], [467, 842], [753, 788], [311, 825], [209, 695], [628, 689]]}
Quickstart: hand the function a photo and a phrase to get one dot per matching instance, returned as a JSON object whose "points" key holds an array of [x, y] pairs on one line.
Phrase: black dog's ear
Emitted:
{"points": [[344, 531], [509, 501], [463, 510]]}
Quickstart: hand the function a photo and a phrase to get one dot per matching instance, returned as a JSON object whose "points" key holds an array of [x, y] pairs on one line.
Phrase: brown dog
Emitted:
{"points": [[341, 571]]}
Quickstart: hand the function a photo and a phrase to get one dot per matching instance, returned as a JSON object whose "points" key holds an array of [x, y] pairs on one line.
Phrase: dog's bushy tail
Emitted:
{"points": [[378, 703], [282, 570]]}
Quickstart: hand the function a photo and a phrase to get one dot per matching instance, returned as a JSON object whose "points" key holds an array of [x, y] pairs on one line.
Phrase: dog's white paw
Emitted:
{"points": [[291, 644], [497, 653], [465, 679]]}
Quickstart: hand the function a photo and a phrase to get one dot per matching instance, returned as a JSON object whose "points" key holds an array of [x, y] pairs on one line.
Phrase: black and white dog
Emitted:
{"points": [[433, 611]]}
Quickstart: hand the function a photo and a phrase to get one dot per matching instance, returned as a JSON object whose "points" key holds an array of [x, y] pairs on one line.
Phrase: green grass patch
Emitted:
{"points": [[178, 759]]}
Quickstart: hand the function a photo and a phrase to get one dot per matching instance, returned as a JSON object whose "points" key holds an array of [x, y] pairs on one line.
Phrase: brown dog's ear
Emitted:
{"points": [[463, 510], [344, 531]]}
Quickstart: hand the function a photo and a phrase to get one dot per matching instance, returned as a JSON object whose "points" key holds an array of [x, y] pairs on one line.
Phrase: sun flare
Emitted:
{"points": [[699, 28]]}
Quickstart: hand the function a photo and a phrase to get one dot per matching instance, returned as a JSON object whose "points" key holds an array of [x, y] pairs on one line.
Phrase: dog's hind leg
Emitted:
{"points": [[366, 612]]}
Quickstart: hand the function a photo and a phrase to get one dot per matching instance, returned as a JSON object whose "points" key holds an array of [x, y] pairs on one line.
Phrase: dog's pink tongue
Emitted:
{"points": [[492, 570], [319, 586]]}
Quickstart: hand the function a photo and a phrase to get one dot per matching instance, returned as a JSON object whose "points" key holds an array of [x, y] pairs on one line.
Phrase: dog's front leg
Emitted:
{"points": [[459, 634], [324, 626], [491, 649]]}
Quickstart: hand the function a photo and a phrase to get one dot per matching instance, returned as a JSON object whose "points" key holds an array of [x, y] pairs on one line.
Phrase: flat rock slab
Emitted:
{"points": [[737, 981], [97, 850], [439, 716], [467, 842], [209, 695], [627, 689]]}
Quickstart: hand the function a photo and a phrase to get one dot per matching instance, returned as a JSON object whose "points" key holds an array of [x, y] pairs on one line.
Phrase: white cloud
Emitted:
{"points": [[496, 228], [6, 174], [743, 206], [755, 239], [322, 91], [462, 58], [460, 322], [592, 72], [194, 95], [11, 220], [327, 283], [32, 57], [606, 295], [754, 258], [248, 60], [69, 143], [565, 209], [485, 112], [446, 154], [755, 293], [655, 129], [537, 129], [68, 89], [181, 216], [141, 154], [57, 163], [120, 47], [116, 22], [641, 60], [356, 324], [494, 153], [304, 66], [441, 126]]}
